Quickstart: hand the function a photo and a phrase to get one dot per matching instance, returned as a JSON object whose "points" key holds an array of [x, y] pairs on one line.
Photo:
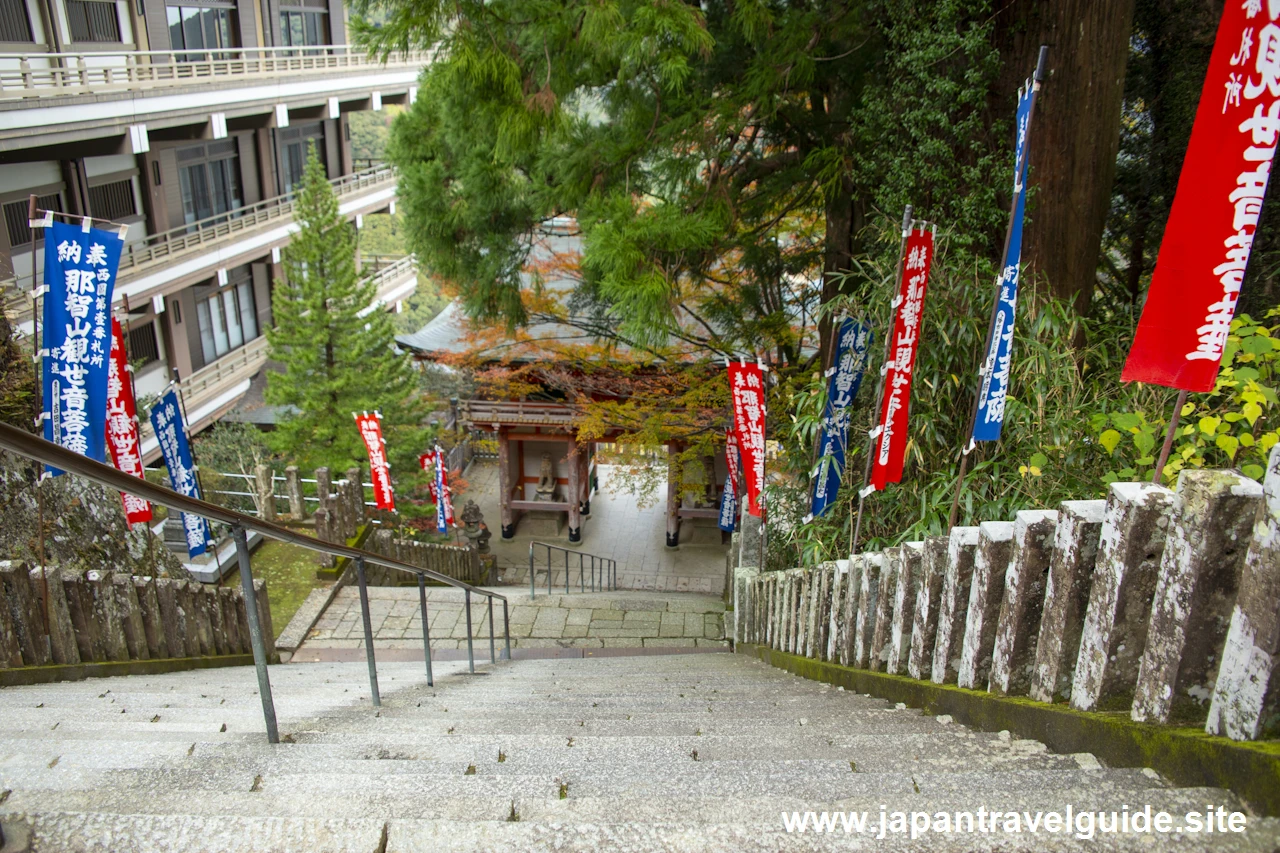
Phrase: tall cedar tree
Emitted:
{"points": [[335, 361]]}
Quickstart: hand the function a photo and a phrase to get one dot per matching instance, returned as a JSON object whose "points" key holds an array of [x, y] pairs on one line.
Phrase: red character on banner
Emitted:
{"points": [[441, 494], [122, 425], [746, 384], [370, 426], [1206, 245], [889, 445]]}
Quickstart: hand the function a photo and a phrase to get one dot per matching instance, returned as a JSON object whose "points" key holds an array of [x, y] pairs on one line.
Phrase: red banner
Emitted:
{"points": [[370, 426], [889, 444], [1215, 212], [746, 384], [732, 458], [122, 425]]}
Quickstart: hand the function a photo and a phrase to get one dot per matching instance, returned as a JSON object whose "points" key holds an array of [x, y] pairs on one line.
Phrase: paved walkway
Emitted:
{"points": [[591, 621], [618, 528]]}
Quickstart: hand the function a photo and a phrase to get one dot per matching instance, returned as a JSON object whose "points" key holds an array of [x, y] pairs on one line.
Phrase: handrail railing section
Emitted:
{"points": [[33, 75], [603, 570], [35, 448]]}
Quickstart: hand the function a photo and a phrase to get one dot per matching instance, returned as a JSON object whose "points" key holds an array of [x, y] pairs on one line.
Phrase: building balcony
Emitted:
{"points": [[394, 277], [47, 96], [165, 262]]}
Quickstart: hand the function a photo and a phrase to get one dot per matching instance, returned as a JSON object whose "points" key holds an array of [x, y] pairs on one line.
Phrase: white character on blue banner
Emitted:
{"points": [[995, 368], [80, 271], [729, 503], [842, 390], [166, 418]]}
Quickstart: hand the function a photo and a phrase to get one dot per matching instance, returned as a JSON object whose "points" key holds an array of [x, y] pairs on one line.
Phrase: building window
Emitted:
{"points": [[200, 28], [293, 153], [143, 346], [15, 219], [14, 24], [93, 20], [210, 180], [114, 201], [228, 319], [304, 27]]}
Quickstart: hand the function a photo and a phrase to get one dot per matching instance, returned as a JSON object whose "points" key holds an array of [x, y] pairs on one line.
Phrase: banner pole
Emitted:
{"points": [[133, 389], [39, 389], [887, 334], [1019, 189], [1168, 436]]}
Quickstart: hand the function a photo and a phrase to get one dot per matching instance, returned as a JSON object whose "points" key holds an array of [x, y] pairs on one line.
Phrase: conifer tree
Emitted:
{"points": [[338, 358]]}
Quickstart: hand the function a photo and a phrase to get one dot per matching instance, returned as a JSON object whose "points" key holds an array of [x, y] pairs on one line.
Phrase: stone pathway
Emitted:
{"points": [[618, 529], [590, 621]]}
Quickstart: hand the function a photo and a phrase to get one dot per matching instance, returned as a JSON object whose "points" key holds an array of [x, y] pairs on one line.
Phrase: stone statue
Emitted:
{"points": [[548, 488], [474, 528]]}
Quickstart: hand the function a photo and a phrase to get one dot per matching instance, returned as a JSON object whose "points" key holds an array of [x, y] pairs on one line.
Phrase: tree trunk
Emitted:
{"points": [[1076, 129]]}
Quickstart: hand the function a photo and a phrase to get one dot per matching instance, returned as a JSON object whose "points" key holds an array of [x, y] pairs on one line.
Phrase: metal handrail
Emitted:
{"points": [[604, 570], [33, 447]]}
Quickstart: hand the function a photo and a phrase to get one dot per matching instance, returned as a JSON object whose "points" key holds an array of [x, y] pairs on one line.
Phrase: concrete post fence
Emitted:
{"points": [[1162, 603], [63, 618]]}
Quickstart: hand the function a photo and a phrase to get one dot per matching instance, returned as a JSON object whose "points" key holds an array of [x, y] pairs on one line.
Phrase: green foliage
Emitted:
{"points": [[1230, 427], [17, 380], [336, 361], [370, 131]]}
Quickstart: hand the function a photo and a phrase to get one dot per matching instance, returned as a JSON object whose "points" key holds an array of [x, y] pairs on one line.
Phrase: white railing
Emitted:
{"points": [[187, 238], [236, 365], [35, 75]]}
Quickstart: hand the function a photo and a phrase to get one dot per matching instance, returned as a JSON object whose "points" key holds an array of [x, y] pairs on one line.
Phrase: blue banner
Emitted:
{"points": [[846, 379], [995, 368], [80, 271], [166, 418]]}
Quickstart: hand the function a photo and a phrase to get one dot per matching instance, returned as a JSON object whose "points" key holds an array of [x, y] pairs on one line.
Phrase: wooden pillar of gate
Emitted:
{"points": [[505, 485]]}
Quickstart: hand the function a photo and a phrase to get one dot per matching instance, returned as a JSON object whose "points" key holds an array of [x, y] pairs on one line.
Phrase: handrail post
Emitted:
{"points": [[566, 572], [426, 632], [368, 633], [532, 592], [493, 655], [255, 634], [471, 654], [582, 583], [506, 627], [548, 570]]}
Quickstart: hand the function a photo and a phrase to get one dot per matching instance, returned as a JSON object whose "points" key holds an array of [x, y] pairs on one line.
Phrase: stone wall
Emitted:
{"points": [[65, 617], [1162, 603]]}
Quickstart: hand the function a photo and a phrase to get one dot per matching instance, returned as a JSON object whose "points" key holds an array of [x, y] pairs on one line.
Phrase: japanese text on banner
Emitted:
{"points": [[80, 271], [439, 486], [1209, 235], [889, 446], [171, 433], [370, 426], [846, 378], [729, 498], [122, 426], [994, 390], [746, 387]]}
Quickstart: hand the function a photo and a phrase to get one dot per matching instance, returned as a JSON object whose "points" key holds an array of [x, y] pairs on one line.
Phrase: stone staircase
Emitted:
{"points": [[702, 752]]}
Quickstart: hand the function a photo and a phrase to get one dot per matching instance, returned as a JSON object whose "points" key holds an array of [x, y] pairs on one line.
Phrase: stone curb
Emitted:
{"points": [[28, 675], [1186, 756]]}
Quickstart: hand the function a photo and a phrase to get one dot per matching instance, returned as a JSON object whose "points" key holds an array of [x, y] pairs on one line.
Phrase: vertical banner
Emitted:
{"points": [[80, 265], [845, 380], [370, 426], [440, 491], [171, 432], [889, 441], [122, 425], [746, 385], [994, 389], [729, 498], [1216, 208]]}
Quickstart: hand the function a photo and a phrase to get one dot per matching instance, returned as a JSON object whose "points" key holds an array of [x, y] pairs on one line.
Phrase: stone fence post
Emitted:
{"points": [[953, 608], [1066, 595], [924, 626], [293, 488], [986, 592], [1013, 654], [1209, 535], [1247, 692], [264, 478]]}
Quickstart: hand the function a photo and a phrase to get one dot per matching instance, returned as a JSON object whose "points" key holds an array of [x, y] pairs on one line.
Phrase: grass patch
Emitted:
{"points": [[290, 573]]}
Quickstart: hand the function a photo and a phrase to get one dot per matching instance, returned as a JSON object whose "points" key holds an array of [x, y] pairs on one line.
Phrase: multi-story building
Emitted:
{"points": [[189, 120]]}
